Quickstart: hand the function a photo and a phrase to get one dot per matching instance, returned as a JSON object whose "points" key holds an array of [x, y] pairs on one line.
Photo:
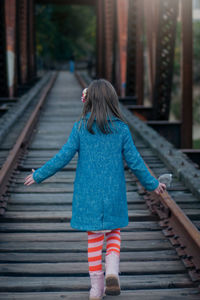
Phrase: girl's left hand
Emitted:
{"points": [[29, 179], [160, 189]]}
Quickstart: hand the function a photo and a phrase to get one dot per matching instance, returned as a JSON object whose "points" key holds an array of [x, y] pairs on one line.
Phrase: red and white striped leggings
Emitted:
{"points": [[95, 246]]}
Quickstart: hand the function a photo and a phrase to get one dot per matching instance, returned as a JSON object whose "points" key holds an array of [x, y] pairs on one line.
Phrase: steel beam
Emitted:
{"points": [[193, 154], [31, 40], [10, 8], [121, 45], [22, 44], [140, 52], [71, 2], [151, 13], [100, 39], [165, 45], [3, 64], [131, 49], [170, 130], [142, 112], [186, 73], [108, 33]]}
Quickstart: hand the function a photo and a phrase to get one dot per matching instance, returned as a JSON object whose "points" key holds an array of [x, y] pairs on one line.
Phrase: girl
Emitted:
{"points": [[102, 139]]}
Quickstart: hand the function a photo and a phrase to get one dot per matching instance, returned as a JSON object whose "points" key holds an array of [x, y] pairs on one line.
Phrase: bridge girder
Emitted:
{"points": [[3, 68], [160, 16], [70, 2]]}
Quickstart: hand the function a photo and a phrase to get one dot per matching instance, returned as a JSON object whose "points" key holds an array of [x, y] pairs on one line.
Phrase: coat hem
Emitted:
{"points": [[106, 226]]}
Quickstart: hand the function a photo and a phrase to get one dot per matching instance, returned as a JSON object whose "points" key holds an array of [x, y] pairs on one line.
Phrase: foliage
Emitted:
{"points": [[196, 144], [196, 110], [176, 96], [196, 49], [65, 29]]}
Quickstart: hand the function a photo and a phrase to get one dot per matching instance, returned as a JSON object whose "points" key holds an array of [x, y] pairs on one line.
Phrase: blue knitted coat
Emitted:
{"points": [[99, 198]]}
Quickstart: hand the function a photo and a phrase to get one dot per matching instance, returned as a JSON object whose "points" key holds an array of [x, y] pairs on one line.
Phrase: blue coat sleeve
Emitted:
{"points": [[62, 158], [136, 163]]}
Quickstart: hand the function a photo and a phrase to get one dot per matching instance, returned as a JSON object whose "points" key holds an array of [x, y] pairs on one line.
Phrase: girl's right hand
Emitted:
{"points": [[29, 179], [160, 189]]}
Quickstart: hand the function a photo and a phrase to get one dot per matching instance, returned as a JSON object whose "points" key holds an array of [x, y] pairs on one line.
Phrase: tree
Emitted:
{"points": [[65, 29]]}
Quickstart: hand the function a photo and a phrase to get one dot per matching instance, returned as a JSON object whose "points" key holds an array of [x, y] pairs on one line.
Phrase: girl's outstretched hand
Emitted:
{"points": [[29, 179], [160, 189]]}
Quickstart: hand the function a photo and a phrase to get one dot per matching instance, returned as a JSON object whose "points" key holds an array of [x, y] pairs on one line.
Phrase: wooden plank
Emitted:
{"points": [[191, 205], [148, 245], [192, 213], [150, 294], [3, 153], [182, 197], [64, 179], [58, 199], [69, 283], [65, 216], [50, 198], [68, 186], [65, 268], [64, 226], [75, 236], [53, 188], [42, 154], [59, 207], [15, 257]]}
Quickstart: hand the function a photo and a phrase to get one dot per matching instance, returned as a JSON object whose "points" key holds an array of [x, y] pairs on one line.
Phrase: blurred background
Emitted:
{"points": [[148, 49], [63, 30]]}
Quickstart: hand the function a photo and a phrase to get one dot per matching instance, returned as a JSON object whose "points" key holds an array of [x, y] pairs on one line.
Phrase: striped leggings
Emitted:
{"points": [[95, 246]]}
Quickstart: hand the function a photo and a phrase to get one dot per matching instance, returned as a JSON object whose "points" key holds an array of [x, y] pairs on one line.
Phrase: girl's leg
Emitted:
{"points": [[95, 245], [113, 241]]}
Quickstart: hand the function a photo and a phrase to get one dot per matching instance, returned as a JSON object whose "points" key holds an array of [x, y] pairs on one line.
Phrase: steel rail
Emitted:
{"points": [[20, 146], [177, 226]]}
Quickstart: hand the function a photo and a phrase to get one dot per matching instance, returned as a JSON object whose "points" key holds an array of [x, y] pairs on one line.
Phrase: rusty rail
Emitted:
{"points": [[176, 225], [178, 228], [20, 146]]}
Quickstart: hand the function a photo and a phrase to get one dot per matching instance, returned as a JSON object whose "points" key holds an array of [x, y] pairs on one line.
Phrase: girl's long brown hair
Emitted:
{"points": [[102, 101]]}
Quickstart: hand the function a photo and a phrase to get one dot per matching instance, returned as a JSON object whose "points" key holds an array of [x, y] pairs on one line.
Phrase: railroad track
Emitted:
{"points": [[15, 119], [42, 257]]}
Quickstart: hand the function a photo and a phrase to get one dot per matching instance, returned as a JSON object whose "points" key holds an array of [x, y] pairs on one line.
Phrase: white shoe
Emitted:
{"points": [[112, 274], [97, 285]]}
